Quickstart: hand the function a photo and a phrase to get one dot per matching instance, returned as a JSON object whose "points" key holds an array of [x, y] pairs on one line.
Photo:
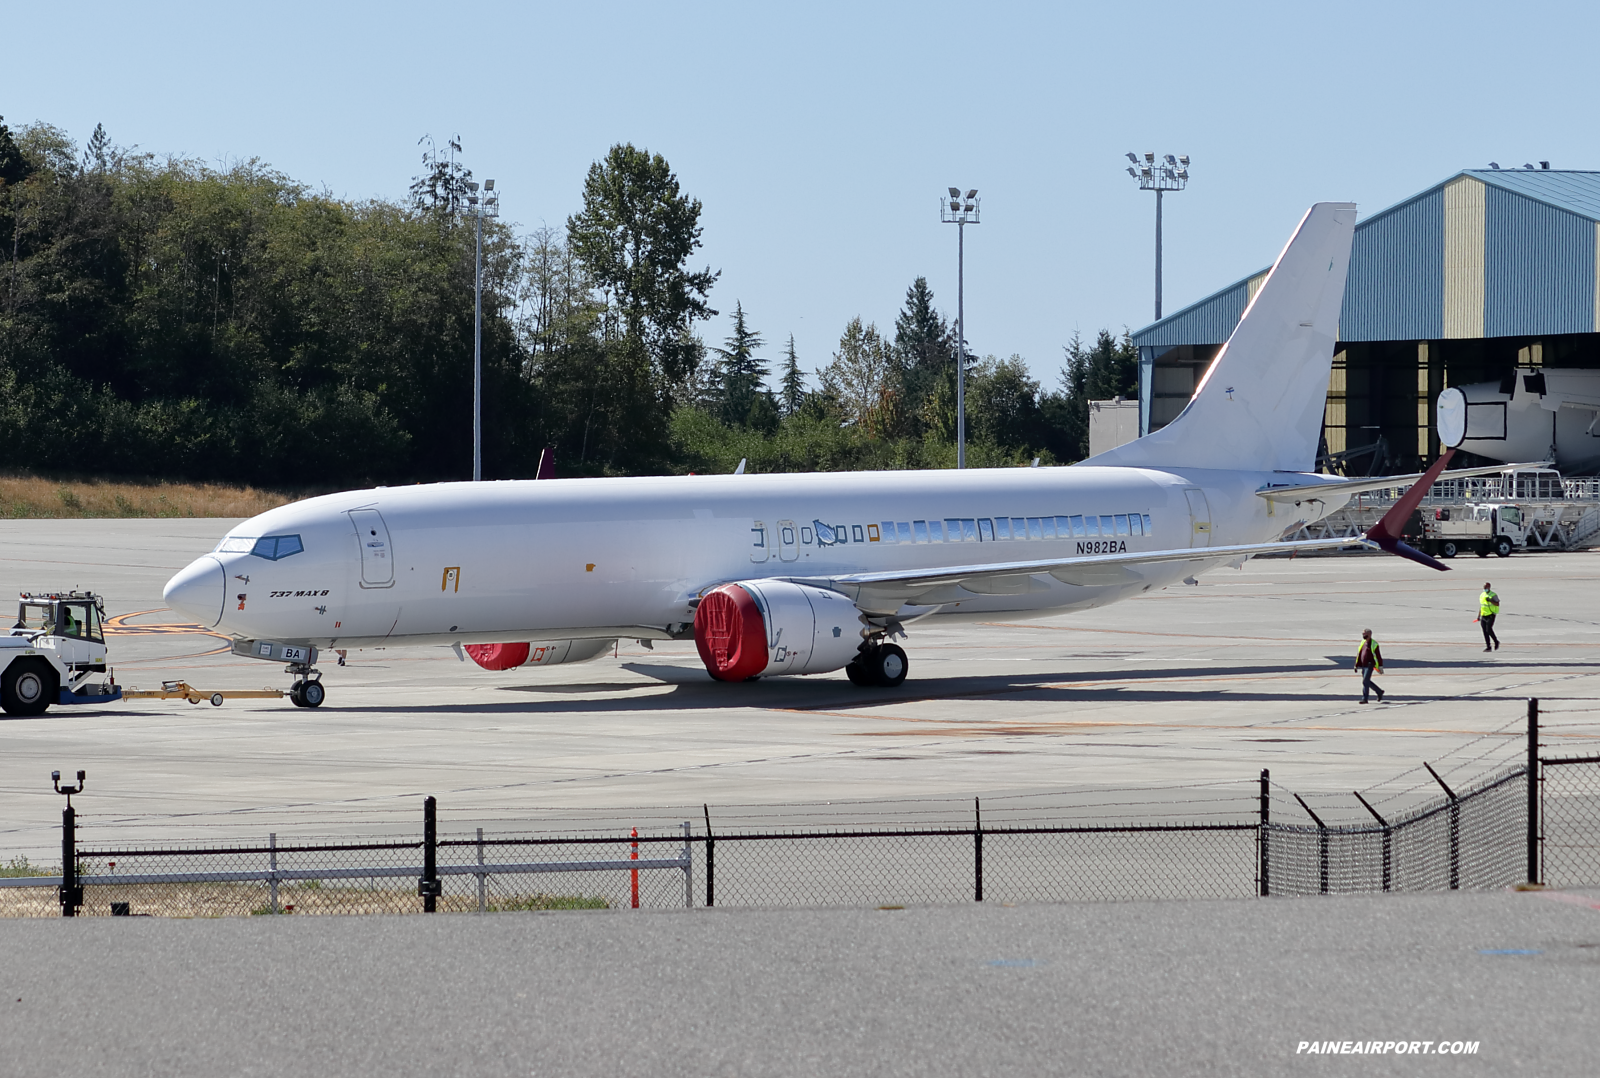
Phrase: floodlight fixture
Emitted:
{"points": [[1544, 164], [1527, 166], [1495, 165], [1173, 175], [1133, 157], [962, 212], [488, 185]]}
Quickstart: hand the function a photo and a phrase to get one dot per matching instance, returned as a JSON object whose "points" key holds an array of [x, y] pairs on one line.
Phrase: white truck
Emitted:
{"points": [[53, 654], [1479, 528]]}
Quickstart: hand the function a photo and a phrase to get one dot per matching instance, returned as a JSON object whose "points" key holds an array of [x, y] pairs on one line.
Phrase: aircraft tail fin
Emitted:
{"points": [[1259, 405]]}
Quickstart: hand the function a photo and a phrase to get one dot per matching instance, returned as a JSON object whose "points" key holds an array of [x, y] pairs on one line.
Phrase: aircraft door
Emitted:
{"points": [[377, 555], [1199, 517], [788, 541], [760, 542]]}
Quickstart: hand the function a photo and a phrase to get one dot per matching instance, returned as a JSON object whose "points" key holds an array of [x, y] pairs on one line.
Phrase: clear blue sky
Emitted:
{"points": [[819, 135]]}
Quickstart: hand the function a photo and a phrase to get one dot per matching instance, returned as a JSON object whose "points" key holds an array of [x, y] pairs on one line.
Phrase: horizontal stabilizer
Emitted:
{"points": [[1311, 491]]}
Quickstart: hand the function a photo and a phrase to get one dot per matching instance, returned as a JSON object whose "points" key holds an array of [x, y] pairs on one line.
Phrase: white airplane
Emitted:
{"points": [[805, 574]]}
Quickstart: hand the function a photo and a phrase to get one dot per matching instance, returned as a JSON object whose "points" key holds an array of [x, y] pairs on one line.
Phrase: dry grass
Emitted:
{"points": [[247, 899], [24, 497]]}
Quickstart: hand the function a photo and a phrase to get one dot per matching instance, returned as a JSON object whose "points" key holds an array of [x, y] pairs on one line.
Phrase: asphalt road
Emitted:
{"points": [[1192, 988]]}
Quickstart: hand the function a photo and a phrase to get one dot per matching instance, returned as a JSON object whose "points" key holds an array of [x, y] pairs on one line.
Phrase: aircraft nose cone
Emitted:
{"points": [[198, 591]]}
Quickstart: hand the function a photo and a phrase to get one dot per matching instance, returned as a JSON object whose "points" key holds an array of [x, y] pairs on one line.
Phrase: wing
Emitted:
{"points": [[883, 594], [1313, 491]]}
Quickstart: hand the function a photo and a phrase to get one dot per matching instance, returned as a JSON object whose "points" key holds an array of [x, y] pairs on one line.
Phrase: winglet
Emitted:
{"points": [[1386, 532], [547, 463]]}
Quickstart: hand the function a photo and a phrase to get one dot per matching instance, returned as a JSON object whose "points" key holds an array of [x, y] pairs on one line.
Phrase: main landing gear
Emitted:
{"points": [[307, 691], [883, 665]]}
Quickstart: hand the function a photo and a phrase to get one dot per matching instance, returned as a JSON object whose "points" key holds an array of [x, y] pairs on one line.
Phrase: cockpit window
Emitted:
{"points": [[271, 547]]}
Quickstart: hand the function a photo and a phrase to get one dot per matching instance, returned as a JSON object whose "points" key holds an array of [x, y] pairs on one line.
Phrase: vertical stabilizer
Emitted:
{"points": [[1259, 406]]}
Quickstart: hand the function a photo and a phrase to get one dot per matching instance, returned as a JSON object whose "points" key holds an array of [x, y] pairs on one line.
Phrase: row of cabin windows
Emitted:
{"points": [[964, 530]]}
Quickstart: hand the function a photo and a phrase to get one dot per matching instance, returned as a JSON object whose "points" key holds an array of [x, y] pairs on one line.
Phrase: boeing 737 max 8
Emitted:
{"points": [[803, 574]]}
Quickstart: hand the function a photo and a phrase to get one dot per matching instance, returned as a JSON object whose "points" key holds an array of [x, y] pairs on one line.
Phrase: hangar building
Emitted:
{"points": [[1488, 271]]}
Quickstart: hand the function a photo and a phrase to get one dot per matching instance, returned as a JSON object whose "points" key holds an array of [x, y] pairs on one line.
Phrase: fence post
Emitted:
{"points": [[71, 893], [1455, 828], [1322, 843], [1534, 781], [711, 860], [633, 872], [483, 878], [688, 870], [977, 850], [272, 864], [428, 886], [1261, 839], [1388, 835]]}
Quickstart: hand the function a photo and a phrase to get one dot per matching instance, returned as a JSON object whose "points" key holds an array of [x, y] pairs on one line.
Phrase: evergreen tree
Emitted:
{"points": [[792, 387], [924, 345], [96, 156], [742, 372]]}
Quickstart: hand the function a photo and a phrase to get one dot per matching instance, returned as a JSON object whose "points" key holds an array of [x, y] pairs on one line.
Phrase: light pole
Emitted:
{"points": [[1170, 174], [960, 212], [478, 208]]}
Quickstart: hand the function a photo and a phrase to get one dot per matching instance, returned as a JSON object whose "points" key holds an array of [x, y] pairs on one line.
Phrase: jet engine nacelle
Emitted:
{"points": [[546, 653], [775, 627]]}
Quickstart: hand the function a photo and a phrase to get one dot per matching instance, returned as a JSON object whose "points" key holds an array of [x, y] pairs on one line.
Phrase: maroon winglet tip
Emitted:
{"points": [[1393, 524]]}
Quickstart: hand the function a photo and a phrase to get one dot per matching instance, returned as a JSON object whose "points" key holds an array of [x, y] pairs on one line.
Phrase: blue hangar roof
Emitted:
{"points": [[1486, 253]]}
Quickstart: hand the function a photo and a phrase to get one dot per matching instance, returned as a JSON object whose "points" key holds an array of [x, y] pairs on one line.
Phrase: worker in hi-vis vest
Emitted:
{"points": [[1488, 607], [1369, 661]]}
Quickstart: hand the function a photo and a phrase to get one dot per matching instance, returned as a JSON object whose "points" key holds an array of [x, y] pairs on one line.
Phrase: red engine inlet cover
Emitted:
{"points": [[730, 633], [497, 656]]}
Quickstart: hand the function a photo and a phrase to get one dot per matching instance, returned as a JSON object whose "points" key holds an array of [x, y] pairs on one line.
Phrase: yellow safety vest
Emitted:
{"points": [[1375, 657], [1488, 603]]}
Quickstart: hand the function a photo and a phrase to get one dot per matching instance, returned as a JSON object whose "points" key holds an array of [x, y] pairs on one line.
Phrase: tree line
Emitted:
{"points": [[162, 317]]}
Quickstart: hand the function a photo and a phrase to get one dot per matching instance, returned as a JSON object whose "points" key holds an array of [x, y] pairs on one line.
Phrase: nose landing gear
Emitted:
{"points": [[307, 691]]}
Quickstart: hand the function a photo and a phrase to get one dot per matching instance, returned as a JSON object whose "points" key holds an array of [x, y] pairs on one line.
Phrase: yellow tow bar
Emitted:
{"points": [[182, 690]]}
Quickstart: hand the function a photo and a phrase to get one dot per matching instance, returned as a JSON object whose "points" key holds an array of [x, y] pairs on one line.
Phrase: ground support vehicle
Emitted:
{"points": [[1478, 528], [52, 654]]}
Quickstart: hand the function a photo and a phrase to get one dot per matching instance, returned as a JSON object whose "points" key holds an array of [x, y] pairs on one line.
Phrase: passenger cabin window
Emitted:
{"points": [[935, 531], [1108, 527], [1147, 530], [903, 527], [954, 528], [985, 530], [920, 530], [888, 531], [872, 534], [1019, 527], [1122, 524], [855, 533]]}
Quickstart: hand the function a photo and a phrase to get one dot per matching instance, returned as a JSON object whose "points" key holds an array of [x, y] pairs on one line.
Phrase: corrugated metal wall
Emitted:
{"points": [[1539, 268], [1463, 258], [1487, 254], [1394, 292]]}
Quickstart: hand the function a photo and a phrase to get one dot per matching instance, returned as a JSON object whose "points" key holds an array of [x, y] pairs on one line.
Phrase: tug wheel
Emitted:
{"points": [[27, 687], [216, 699]]}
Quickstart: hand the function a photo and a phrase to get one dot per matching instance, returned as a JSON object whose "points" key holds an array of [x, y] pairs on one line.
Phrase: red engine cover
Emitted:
{"points": [[730, 633], [497, 656]]}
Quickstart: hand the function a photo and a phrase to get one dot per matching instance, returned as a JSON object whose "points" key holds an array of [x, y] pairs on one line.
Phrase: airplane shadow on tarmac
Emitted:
{"points": [[692, 690]]}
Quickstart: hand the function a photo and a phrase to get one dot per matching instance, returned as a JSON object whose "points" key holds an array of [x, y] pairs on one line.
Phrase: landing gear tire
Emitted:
{"points": [[27, 687], [312, 693], [888, 666], [858, 674], [294, 694], [1448, 550], [1502, 547]]}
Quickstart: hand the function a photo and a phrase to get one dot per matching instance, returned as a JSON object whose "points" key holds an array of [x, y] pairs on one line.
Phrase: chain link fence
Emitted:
{"points": [[1469, 820]]}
